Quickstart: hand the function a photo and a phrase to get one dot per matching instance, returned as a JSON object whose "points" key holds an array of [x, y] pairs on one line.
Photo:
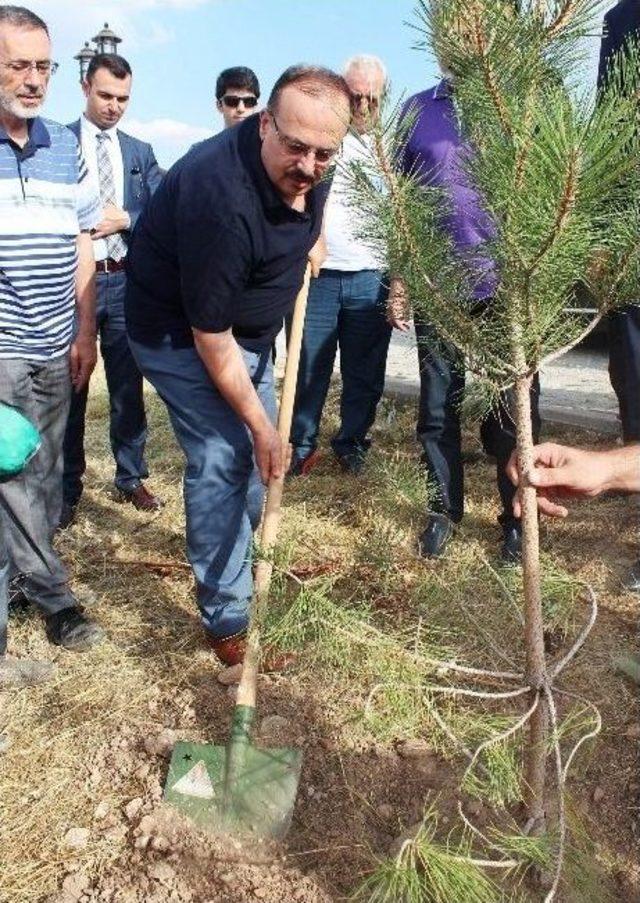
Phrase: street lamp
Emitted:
{"points": [[107, 40], [84, 58]]}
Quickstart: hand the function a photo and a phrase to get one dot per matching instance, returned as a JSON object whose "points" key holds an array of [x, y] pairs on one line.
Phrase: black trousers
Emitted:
{"points": [[624, 368], [442, 380]]}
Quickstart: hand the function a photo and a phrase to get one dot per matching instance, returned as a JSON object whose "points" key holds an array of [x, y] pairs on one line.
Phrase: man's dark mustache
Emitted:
{"points": [[301, 176]]}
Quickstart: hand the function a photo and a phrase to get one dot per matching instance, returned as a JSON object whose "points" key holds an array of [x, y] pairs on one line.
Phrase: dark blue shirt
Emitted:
{"points": [[217, 247]]}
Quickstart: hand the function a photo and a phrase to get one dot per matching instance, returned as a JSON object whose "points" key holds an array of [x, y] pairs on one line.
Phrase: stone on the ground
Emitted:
{"points": [[275, 726], [5, 743], [160, 744], [76, 838], [74, 886], [162, 872], [415, 748], [385, 811], [133, 807], [160, 844], [228, 677], [23, 672], [598, 795], [101, 811]]}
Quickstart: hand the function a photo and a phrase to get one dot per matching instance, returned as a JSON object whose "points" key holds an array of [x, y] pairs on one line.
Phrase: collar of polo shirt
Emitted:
{"points": [[38, 133]]}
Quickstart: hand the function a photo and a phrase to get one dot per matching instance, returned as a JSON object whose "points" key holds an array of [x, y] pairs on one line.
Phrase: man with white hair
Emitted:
{"points": [[48, 207], [346, 306]]}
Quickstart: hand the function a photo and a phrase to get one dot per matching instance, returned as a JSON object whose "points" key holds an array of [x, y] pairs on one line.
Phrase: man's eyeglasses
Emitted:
{"points": [[370, 99], [233, 101], [42, 67], [323, 155]]}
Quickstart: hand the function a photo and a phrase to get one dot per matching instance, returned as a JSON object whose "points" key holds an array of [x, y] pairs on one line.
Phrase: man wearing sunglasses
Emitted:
{"points": [[237, 94], [215, 264], [346, 303]]}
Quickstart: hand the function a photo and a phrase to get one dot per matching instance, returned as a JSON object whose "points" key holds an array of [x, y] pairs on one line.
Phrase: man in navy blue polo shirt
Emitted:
{"points": [[214, 266]]}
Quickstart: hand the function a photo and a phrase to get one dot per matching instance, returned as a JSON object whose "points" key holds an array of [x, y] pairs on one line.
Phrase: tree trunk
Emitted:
{"points": [[536, 753]]}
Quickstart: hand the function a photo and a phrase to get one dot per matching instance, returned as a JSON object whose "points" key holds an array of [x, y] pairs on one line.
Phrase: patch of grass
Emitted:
{"points": [[500, 780], [560, 593], [426, 871]]}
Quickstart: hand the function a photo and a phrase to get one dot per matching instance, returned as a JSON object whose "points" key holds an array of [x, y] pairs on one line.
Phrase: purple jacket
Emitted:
{"points": [[434, 151]]}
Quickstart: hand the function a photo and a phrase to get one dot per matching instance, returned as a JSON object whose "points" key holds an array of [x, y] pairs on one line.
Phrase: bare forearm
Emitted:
{"points": [[86, 285], [623, 468], [222, 358]]}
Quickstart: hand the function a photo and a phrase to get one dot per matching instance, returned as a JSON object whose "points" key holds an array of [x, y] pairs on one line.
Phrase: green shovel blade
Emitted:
{"points": [[259, 799]]}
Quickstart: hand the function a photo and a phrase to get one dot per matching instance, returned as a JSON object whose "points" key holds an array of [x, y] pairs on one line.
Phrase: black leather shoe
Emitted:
{"points": [[435, 536], [352, 463], [71, 629], [511, 551], [632, 580]]}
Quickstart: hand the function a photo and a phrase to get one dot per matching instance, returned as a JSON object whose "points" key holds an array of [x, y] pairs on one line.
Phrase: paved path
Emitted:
{"points": [[575, 389]]}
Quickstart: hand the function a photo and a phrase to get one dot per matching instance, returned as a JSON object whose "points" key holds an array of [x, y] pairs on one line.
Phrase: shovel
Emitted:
{"points": [[238, 788]]}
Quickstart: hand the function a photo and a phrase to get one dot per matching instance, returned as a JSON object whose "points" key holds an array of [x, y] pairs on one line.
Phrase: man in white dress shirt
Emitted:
{"points": [[346, 306], [126, 173]]}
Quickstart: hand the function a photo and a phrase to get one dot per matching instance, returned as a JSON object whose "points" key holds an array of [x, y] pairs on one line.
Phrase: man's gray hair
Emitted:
{"points": [[366, 61], [21, 17]]}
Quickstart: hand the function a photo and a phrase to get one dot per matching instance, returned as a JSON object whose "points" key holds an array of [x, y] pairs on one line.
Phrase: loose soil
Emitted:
{"points": [[81, 816]]}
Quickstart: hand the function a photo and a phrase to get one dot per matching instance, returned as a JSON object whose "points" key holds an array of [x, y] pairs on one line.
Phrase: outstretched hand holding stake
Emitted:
{"points": [[564, 472]]}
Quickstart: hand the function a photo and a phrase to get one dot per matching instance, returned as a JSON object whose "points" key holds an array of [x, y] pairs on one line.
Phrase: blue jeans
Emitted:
{"points": [[223, 492], [128, 423], [345, 309]]}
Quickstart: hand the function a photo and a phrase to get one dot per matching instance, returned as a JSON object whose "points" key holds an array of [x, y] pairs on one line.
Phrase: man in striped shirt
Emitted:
{"points": [[48, 206]]}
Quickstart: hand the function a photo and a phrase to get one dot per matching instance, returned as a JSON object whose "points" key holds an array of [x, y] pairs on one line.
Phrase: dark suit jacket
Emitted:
{"points": [[620, 24], [142, 175]]}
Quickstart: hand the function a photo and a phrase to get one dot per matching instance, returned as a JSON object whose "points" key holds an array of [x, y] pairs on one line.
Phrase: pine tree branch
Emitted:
{"points": [[488, 73], [565, 207], [545, 361], [563, 18]]}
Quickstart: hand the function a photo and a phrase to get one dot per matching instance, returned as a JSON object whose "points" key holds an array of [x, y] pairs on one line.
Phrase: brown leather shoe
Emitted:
{"points": [[231, 650], [141, 498]]}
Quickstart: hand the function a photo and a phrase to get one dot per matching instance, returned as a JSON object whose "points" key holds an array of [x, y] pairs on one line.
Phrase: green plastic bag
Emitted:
{"points": [[19, 441]]}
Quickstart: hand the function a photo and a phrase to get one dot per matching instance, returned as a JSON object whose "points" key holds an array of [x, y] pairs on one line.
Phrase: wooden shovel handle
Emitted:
{"points": [[271, 517]]}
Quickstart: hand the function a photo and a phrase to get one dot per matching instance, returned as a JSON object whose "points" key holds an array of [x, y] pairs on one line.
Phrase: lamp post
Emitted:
{"points": [[84, 58], [107, 40]]}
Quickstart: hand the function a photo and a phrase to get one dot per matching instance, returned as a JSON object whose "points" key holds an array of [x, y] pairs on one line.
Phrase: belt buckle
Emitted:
{"points": [[103, 265]]}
